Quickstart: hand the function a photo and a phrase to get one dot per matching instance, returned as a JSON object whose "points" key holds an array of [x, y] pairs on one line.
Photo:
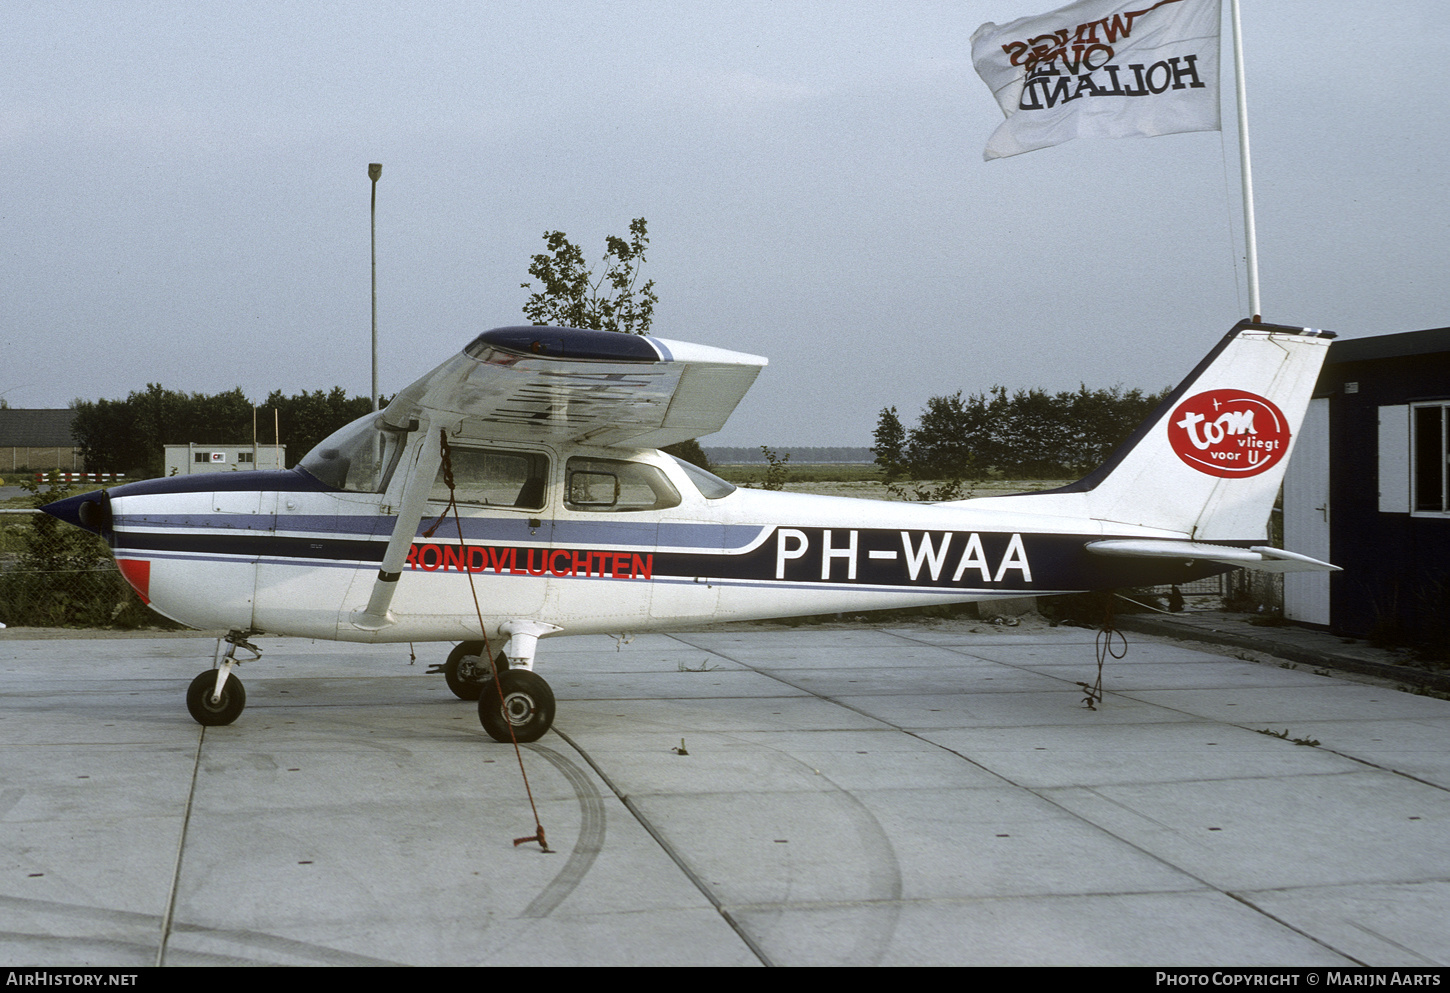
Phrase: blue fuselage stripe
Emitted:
{"points": [[667, 534], [805, 557]]}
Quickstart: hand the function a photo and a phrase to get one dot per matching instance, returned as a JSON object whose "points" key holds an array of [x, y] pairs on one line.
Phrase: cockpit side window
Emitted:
{"points": [[495, 477], [617, 486]]}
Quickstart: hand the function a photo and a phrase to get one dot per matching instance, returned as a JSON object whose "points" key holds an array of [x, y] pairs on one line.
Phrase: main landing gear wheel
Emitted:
{"points": [[225, 710], [466, 670], [463, 677], [527, 707]]}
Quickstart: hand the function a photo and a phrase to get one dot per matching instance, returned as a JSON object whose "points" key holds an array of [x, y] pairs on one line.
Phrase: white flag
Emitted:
{"points": [[1101, 69]]}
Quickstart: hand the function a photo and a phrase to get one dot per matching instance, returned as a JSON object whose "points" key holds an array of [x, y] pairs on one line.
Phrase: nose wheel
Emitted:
{"points": [[518, 707], [216, 697], [207, 708]]}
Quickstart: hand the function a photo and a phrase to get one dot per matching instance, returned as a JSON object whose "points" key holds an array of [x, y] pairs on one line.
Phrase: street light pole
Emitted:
{"points": [[375, 170]]}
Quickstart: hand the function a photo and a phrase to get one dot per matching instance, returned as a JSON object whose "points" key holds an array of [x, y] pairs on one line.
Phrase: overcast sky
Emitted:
{"points": [[186, 195]]}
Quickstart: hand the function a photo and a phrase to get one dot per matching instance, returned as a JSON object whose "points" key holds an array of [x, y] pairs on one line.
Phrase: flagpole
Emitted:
{"points": [[1250, 237]]}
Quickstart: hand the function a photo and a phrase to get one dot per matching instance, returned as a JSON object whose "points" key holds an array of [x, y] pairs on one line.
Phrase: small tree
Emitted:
{"points": [[572, 296], [954, 436], [776, 472], [890, 444]]}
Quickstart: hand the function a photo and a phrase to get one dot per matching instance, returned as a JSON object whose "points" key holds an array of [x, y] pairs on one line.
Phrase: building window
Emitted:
{"points": [[244, 456], [201, 457], [1430, 445]]}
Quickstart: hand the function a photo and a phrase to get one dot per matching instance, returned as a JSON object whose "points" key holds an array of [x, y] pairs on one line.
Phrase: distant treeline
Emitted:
{"points": [[805, 455], [1030, 433], [130, 435]]}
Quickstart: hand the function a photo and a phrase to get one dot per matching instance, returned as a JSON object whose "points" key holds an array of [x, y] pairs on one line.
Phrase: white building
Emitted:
{"points": [[183, 460]]}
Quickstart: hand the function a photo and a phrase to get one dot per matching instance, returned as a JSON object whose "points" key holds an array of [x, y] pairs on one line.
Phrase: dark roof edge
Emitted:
{"points": [[1389, 346]]}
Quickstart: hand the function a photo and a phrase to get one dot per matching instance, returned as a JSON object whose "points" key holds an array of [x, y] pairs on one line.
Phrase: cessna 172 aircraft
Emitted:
{"points": [[569, 521]]}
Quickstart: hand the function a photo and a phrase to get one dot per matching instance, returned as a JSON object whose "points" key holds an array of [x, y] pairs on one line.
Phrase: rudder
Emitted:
{"points": [[1209, 461]]}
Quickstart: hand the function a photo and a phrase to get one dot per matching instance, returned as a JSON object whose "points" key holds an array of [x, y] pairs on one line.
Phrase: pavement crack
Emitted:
{"points": [[170, 912], [669, 850]]}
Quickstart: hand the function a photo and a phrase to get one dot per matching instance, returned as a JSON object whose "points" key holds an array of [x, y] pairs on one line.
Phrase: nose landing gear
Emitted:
{"points": [[209, 709], [216, 698]]}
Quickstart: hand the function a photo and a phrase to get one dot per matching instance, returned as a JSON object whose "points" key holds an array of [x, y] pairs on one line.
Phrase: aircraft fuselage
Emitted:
{"points": [[515, 492], [281, 553]]}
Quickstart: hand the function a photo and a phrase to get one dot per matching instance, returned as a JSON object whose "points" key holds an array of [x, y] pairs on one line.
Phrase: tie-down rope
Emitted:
{"points": [[538, 834]]}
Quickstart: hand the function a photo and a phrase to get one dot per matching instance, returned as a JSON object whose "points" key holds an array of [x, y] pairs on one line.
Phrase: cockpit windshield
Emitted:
{"points": [[359, 457]]}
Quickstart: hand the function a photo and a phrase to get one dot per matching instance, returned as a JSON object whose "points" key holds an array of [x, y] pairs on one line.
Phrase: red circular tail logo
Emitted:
{"points": [[1229, 433]]}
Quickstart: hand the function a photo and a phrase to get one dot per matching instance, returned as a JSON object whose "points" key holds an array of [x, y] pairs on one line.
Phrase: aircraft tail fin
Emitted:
{"points": [[1208, 462]]}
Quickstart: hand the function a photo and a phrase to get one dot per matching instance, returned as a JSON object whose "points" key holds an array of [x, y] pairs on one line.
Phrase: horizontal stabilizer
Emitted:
{"points": [[1260, 558]]}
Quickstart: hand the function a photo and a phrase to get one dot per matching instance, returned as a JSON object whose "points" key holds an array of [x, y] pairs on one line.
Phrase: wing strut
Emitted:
{"points": [[422, 471]]}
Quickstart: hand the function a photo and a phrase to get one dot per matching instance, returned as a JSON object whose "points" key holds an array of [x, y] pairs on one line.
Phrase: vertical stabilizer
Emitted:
{"points": [[1208, 462], [1212, 457]]}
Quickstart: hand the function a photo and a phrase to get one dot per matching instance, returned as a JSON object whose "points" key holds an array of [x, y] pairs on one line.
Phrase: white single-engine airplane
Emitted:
{"points": [[569, 521]]}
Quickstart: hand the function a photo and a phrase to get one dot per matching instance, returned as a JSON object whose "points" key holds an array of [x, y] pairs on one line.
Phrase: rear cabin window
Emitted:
{"points": [[616, 486], [495, 477], [711, 486]]}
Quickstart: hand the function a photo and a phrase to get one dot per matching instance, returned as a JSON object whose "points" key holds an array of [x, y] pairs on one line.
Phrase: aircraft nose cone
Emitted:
{"points": [[91, 511]]}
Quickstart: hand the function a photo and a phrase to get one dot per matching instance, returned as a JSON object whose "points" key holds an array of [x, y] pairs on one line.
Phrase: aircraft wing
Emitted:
{"points": [[591, 387], [539, 383], [1260, 558]]}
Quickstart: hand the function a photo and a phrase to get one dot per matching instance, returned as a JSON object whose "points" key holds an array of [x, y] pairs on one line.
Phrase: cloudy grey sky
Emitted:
{"points": [[186, 195]]}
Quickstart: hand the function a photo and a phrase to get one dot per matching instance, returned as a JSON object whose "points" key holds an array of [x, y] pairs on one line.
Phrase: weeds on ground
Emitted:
{"points": [[1310, 742]]}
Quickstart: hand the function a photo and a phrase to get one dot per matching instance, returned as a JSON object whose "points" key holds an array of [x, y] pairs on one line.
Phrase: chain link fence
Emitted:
{"points": [[55, 575]]}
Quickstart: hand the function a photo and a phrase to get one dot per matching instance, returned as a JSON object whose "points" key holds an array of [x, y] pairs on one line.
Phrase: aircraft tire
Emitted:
{"points": [[528, 705], [462, 687], [224, 711]]}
